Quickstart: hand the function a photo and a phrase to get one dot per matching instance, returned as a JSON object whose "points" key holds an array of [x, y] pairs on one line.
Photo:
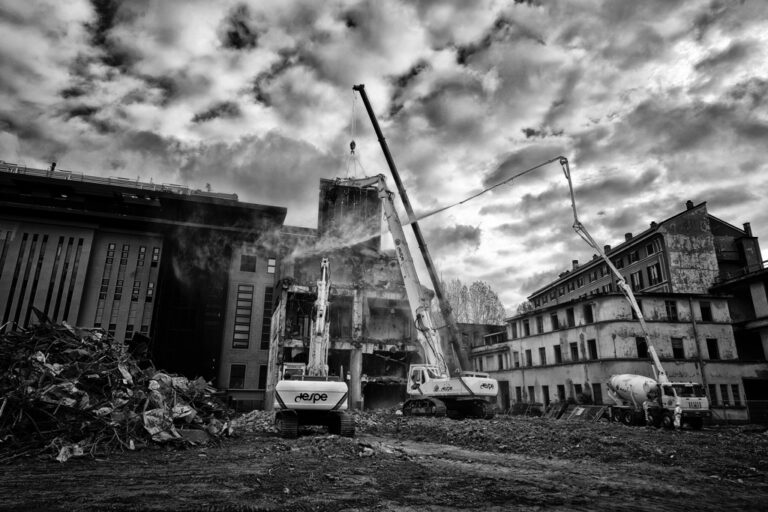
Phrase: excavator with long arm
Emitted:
{"points": [[431, 389], [305, 393]]}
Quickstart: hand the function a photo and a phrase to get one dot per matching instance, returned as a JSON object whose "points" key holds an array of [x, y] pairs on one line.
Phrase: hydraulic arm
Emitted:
{"points": [[317, 362]]}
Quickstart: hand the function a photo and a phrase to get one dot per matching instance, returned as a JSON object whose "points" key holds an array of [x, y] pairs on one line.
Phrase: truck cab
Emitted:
{"points": [[692, 399]]}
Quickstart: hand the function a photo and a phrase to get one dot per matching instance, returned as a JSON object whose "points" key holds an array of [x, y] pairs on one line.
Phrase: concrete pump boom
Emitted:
{"points": [[621, 282], [445, 307]]}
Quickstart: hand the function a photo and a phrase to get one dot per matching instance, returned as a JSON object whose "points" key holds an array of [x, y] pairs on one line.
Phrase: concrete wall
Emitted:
{"points": [[690, 249]]}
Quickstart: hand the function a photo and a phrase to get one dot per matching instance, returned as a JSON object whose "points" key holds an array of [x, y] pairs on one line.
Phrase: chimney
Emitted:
{"points": [[748, 228], [606, 248], [627, 237], [654, 225], [575, 264], [689, 205]]}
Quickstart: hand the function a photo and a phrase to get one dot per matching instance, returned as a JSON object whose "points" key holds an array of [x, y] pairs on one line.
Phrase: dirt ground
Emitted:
{"points": [[415, 464]]}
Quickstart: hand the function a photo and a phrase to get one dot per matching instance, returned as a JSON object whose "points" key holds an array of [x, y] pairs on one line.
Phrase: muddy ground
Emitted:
{"points": [[415, 464]]}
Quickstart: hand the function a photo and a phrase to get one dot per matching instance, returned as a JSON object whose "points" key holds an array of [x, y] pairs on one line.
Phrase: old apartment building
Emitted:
{"points": [[702, 288]]}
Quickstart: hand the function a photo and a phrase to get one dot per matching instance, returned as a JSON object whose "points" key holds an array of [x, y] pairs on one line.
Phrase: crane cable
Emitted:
{"points": [[353, 161], [488, 189]]}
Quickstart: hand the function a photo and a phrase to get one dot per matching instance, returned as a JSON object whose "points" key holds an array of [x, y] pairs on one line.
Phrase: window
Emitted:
{"points": [[519, 394], [574, 351], [597, 393], [545, 299], [642, 347], [636, 280], [542, 356], [539, 324], [580, 281], [155, 256], [706, 311], [561, 392], [526, 328], [135, 291], [271, 264], [558, 354], [713, 349], [588, 316], [516, 358], [592, 348], [654, 274], [577, 389], [513, 325], [536, 302], [142, 256], [247, 263], [724, 394], [118, 289], [237, 376], [736, 395], [604, 270], [634, 256], [671, 307], [561, 291], [479, 364], [618, 262], [571, 286], [262, 377], [555, 321], [712, 394], [266, 319], [569, 316], [545, 395], [593, 276], [528, 358], [649, 249], [243, 309], [500, 361], [124, 255], [678, 352], [531, 394], [640, 306], [150, 292]]}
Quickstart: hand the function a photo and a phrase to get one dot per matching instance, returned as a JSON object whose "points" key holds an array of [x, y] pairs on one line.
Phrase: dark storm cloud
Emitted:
{"points": [[457, 237], [287, 58], [753, 91], [238, 30], [224, 109], [108, 14], [735, 53], [503, 30], [148, 142], [718, 198], [401, 82]]}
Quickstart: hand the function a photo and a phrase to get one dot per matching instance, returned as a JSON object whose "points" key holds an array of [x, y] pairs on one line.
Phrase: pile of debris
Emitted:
{"points": [[69, 391]]}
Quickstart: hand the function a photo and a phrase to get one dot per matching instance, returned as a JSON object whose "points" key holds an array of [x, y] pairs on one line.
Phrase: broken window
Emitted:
{"points": [[542, 355], [237, 376], [678, 351], [671, 307], [592, 348], [654, 274], [558, 354], [713, 349], [555, 321], [570, 317], [706, 311], [574, 351], [247, 263], [642, 347]]}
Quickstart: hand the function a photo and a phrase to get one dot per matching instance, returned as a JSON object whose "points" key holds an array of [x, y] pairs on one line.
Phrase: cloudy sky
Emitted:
{"points": [[653, 102]]}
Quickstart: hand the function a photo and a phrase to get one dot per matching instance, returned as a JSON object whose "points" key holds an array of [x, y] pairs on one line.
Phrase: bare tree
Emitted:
{"points": [[476, 304]]}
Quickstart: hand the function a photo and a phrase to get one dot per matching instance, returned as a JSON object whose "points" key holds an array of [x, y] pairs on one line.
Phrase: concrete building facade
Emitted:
{"points": [[580, 330]]}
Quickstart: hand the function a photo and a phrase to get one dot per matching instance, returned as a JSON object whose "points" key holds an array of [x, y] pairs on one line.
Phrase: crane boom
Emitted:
{"points": [[445, 307], [621, 282]]}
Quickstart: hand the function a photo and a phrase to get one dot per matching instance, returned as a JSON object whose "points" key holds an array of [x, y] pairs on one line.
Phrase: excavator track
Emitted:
{"points": [[425, 406], [342, 424], [287, 423]]}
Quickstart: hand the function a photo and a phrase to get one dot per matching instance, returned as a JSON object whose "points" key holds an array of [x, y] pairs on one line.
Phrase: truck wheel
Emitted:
{"points": [[628, 418], [287, 425], [667, 420]]}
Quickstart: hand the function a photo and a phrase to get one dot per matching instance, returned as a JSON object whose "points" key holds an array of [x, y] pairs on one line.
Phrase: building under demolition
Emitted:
{"points": [[199, 277], [701, 285]]}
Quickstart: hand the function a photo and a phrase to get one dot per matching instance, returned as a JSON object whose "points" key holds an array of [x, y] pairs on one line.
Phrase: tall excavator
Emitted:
{"points": [[305, 393]]}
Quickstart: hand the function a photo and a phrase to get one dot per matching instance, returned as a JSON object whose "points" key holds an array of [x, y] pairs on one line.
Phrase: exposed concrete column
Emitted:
{"points": [[356, 354], [759, 299], [276, 341]]}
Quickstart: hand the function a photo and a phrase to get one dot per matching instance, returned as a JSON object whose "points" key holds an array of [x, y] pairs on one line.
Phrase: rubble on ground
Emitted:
{"points": [[70, 391]]}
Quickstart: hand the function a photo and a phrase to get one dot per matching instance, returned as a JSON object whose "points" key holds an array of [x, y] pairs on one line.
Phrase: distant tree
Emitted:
{"points": [[524, 307], [476, 304]]}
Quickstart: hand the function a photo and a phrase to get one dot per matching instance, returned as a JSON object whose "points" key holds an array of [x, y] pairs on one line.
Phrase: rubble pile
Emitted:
{"points": [[69, 391]]}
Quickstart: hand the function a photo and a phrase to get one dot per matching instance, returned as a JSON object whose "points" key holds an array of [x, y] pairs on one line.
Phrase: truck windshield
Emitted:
{"points": [[689, 390]]}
